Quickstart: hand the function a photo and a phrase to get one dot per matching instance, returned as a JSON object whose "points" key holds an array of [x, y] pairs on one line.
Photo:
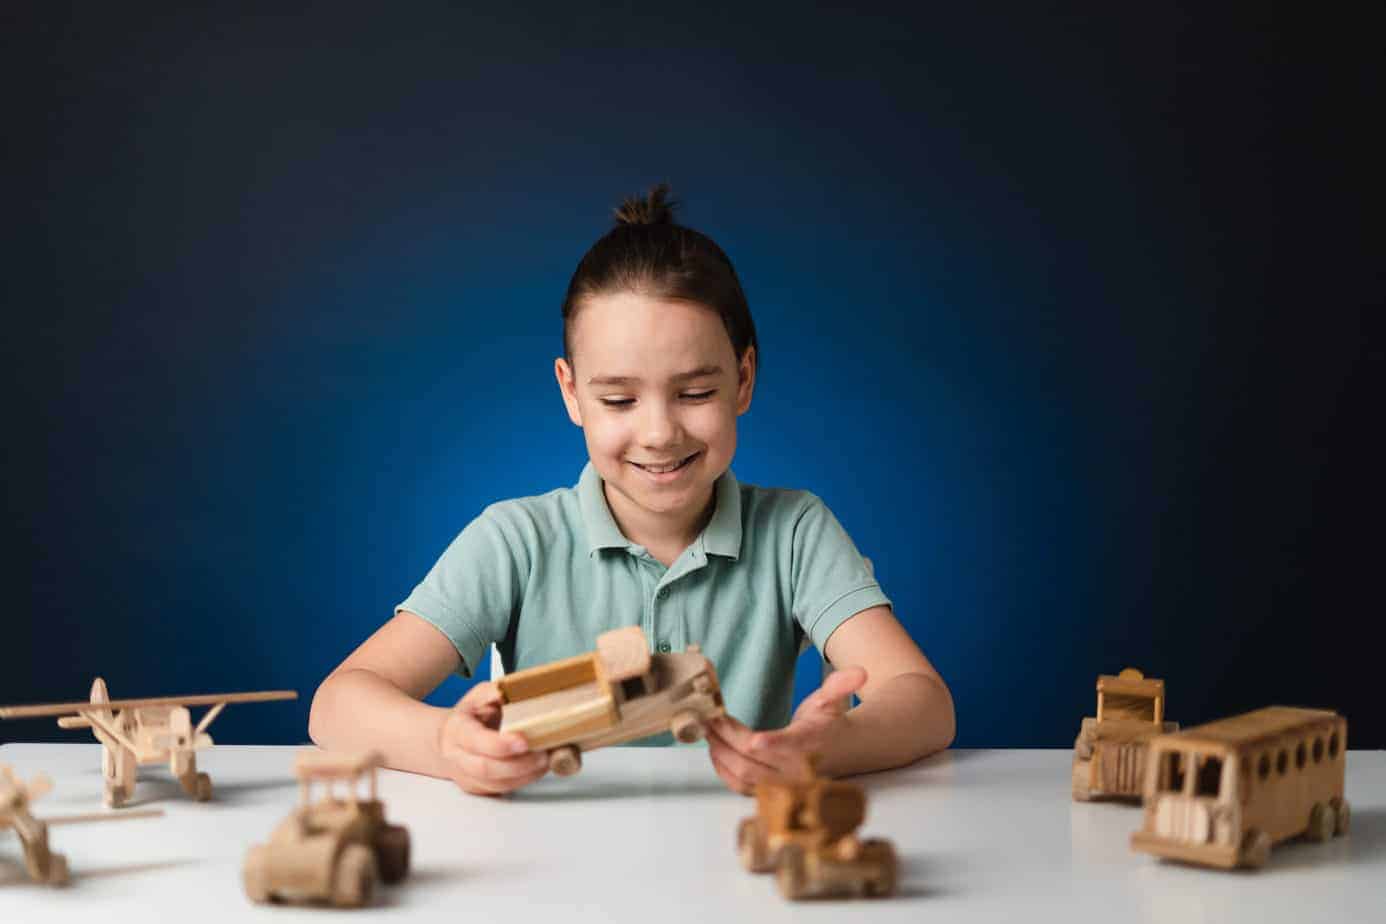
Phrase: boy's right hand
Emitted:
{"points": [[480, 759]]}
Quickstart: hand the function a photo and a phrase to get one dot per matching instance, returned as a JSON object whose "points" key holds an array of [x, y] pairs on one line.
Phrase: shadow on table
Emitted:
{"points": [[578, 791], [936, 768], [161, 791], [14, 873], [920, 877], [1365, 842]]}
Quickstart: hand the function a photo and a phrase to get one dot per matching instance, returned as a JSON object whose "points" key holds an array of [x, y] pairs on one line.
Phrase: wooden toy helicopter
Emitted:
{"points": [[145, 731], [43, 865]]}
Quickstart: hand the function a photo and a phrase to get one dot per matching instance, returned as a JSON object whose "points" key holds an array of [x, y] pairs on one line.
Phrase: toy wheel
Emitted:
{"points": [[115, 795], [1082, 780], [879, 855], [687, 727], [750, 846], [1322, 821], [792, 874], [353, 885], [57, 869], [392, 851], [255, 874], [1256, 847], [565, 761], [1082, 745], [1343, 820]]}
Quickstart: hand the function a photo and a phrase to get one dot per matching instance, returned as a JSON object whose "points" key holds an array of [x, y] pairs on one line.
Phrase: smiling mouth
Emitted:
{"points": [[666, 468]]}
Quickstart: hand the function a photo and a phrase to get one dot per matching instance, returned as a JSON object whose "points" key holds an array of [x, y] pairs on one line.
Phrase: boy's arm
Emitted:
{"points": [[372, 700], [906, 711]]}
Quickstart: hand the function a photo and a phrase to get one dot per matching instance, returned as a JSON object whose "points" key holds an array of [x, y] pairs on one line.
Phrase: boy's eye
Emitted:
{"points": [[618, 402], [699, 395]]}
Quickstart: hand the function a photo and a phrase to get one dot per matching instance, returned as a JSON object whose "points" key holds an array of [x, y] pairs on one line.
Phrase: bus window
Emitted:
{"points": [[1172, 771], [1209, 778]]}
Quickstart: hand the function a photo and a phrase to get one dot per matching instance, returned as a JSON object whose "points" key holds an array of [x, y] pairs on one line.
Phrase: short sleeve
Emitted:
{"points": [[473, 590], [831, 580]]}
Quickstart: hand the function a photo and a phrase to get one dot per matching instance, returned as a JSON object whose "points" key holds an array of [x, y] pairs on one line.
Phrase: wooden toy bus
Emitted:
{"points": [[1222, 794]]}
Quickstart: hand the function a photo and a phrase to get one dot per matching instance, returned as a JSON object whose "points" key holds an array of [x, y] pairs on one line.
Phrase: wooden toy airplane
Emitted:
{"points": [[43, 865], [145, 731]]}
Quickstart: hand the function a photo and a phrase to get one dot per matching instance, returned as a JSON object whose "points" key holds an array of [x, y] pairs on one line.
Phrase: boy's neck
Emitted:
{"points": [[665, 536]]}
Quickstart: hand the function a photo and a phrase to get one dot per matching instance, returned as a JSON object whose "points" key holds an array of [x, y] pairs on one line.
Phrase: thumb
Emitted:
{"points": [[479, 697], [835, 686]]}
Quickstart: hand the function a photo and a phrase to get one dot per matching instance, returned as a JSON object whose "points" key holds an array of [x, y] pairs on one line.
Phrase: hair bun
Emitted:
{"points": [[654, 208]]}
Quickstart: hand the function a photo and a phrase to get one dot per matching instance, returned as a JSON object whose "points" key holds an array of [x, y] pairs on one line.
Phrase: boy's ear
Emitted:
{"points": [[745, 380], [567, 386]]}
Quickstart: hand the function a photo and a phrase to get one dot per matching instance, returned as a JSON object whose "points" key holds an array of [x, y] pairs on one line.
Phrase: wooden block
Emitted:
{"points": [[547, 678], [624, 653]]}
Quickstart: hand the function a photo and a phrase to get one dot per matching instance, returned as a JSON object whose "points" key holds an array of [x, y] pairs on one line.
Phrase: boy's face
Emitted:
{"points": [[656, 388]]}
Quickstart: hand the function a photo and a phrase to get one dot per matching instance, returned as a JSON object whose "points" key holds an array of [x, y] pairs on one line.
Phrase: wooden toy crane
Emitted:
{"points": [[145, 731], [43, 865]]}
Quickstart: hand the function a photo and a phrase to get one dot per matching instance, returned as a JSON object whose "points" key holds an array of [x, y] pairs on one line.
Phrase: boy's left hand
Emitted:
{"points": [[744, 757]]}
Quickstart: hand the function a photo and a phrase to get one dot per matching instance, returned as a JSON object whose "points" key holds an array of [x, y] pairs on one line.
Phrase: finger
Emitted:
{"points": [[519, 782], [745, 766], [836, 687], [798, 738], [732, 732], [729, 777], [471, 734], [498, 773], [479, 696]]}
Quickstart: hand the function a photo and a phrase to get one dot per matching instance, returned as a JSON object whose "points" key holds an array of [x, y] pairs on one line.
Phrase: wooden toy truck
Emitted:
{"points": [[1109, 753], [333, 850], [1223, 793], [618, 693], [43, 864], [803, 830], [145, 731]]}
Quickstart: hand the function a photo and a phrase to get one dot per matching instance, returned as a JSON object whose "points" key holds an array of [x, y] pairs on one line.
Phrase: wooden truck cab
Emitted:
{"points": [[1109, 753]]}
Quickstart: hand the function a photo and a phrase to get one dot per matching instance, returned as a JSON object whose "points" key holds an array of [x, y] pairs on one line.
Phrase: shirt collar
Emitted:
{"points": [[722, 536]]}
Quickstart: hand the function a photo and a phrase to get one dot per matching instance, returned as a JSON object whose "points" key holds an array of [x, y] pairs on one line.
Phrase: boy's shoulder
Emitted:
{"points": [[761, 505], [558, 506]]}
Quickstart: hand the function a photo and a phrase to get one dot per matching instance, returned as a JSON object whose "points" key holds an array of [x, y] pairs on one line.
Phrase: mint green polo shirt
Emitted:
{"points": [[541, 577]]}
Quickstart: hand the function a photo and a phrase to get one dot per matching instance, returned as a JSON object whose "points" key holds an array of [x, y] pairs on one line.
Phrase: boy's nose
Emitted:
{"points": [[659, 428]]}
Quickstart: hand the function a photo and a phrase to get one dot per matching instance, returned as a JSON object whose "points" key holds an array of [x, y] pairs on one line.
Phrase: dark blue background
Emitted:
{"points": [[283, 293]]}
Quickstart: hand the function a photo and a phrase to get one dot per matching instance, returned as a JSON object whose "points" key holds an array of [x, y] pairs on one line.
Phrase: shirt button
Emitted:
{"points": [[664, 648], [663, 593]]}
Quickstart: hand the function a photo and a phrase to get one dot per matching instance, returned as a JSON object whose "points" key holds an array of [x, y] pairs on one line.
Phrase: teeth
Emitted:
{"points": [[663, 469]]}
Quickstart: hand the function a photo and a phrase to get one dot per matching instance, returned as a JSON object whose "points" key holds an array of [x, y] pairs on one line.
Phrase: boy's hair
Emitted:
{"points": [[649, 254]]}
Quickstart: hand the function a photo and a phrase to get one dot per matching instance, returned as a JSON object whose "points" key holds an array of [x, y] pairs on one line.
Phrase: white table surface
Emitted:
{"points": [[646, 834]]}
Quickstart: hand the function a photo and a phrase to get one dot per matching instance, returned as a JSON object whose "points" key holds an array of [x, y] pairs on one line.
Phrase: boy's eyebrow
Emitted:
{"points": [[631, 380]]}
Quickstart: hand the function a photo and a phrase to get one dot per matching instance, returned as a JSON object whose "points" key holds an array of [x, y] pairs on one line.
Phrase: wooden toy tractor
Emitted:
{"points": [[1109, 753], [803, 830], [333, 850]]}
